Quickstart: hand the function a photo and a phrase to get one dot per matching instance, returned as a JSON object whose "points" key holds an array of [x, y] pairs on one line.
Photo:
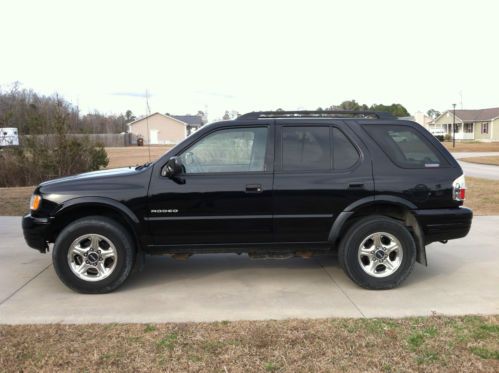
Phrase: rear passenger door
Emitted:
{"points": [[320, 168]]}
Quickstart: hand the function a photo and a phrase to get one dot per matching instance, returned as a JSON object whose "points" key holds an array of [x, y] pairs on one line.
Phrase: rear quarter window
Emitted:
{"points": [[405, 146]]}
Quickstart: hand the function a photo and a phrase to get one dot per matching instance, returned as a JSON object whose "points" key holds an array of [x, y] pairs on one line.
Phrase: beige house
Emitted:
{"points": [[159, 128], [420, 118], [476, 125]]}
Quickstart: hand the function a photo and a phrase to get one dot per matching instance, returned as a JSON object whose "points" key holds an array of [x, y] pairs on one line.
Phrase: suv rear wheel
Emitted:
{"points": [[377, 253], [93, 255]]}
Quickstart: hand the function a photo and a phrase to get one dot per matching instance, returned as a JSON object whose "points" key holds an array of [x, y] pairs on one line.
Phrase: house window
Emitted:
{"points": [[484, 129], [468, 127]]}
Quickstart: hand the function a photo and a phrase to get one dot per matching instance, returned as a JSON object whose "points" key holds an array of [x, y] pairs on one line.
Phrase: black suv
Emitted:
{"points": [[366, 185]]}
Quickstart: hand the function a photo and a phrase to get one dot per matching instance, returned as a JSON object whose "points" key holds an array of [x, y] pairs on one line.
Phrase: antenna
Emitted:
{"points": [[148, 113], [461, 94]]}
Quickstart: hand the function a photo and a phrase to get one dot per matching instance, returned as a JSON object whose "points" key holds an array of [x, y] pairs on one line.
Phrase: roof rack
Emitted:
{"points": [[319, 114]]}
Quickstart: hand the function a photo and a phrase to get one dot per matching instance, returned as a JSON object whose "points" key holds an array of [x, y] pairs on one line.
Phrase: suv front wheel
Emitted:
{"points": [[93, 255], [377, 253]]}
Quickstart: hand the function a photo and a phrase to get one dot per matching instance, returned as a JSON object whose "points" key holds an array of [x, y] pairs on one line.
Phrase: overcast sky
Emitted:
{"points": [[253, 55]]}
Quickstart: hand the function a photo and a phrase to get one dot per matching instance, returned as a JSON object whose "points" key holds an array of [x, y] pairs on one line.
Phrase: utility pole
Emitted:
{"points": [[454, 126]]}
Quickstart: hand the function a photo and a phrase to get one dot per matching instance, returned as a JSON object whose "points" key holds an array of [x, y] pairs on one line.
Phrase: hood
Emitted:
{"points": [[93, 175]]}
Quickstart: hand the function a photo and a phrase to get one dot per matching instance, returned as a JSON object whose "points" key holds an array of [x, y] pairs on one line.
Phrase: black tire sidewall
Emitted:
{"points": [[104, 227], [357, 233]]}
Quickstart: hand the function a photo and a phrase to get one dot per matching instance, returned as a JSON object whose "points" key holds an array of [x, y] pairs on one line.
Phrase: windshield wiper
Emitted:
{"points": [[143, 166]]}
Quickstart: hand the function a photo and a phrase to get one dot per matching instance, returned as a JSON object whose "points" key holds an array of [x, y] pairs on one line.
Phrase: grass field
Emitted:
{"points": [[432, 344], [472, 146], [494, 161]]}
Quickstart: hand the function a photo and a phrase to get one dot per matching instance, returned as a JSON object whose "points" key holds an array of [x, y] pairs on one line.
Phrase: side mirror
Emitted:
{"points": [[172, 168]]}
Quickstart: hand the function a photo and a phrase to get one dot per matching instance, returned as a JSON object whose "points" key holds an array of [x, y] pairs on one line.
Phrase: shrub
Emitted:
{"points": [[53, 153], [36, 162]]}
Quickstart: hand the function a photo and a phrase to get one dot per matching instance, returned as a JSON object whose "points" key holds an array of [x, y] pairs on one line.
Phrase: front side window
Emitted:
{"points": [[405, 146], [228, 150], [306, 148]]}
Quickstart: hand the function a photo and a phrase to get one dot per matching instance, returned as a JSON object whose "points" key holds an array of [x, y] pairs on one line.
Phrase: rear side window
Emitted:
{"points": [[405, 146], [345, 154], [306, 148]]}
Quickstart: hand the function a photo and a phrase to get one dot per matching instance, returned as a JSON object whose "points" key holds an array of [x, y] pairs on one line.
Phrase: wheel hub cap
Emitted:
{"points": [[380, 254], [92, 257]]}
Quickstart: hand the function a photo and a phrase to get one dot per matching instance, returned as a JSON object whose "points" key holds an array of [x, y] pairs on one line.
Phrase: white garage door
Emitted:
{"points": [[153, 136]]}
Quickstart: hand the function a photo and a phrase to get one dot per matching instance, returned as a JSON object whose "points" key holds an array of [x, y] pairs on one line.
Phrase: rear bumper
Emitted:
{"points": [[444, 224], [36, 232]]}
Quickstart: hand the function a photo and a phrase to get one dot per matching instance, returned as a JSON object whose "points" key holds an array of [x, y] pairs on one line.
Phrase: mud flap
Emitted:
{"points": [[417, 233]]}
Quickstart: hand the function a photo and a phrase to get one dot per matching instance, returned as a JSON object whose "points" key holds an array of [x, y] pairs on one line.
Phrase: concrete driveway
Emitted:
{"points": [[475, 169], [462, 278]]}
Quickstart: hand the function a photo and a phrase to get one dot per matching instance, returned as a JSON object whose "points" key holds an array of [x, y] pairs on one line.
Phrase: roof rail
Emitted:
{"points": [[322, 113]]}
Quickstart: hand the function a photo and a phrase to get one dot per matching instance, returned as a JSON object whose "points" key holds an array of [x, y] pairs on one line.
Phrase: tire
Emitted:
{"points": [[361, 260], [88, 241]]}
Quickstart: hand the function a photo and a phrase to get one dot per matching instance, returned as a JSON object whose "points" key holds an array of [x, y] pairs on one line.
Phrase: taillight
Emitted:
{"points": [[459, 189]]}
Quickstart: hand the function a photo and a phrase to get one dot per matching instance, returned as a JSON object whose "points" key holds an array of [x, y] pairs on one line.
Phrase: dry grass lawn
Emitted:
{"points": [[433, 344], [15, 201], [494, 161], [472, 146], [481, 196], [133, 155]]}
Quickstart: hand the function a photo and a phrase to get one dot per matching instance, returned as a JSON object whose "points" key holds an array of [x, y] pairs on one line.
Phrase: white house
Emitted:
{"points": [[477, 125], [160, 128]]}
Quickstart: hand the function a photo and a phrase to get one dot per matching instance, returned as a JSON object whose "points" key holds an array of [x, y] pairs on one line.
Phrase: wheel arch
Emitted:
{"points": [[89, 206], [390, 206]]}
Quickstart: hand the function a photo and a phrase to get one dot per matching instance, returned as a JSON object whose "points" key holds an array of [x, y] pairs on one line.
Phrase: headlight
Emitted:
{"points": [[35, 202]]}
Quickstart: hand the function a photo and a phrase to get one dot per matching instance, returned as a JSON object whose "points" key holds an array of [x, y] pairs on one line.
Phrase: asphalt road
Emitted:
{"points": [[462, 278], [475, 169]]}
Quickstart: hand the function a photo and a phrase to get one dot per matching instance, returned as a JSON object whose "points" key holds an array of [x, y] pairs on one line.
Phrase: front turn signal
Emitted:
{"points": [[35, 201]]}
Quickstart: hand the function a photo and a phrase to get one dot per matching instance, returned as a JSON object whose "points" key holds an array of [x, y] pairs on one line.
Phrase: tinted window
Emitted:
{"points": [[345, 154], [231, 150], [406, 146], [306, 148]]}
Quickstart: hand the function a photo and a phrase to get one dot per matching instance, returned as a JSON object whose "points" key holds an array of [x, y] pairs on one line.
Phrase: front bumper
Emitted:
{"points": [[444, 224], [36, 232]]}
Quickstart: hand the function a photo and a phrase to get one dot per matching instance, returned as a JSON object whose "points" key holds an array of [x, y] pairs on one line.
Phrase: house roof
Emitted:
{"points": [[476, 115], [192, 120], [163, 115]]}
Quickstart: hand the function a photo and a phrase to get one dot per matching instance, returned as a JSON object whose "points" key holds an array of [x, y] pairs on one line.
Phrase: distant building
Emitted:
{"points": [[158, 128], [477, 125], [421, 118], [194, 122]]}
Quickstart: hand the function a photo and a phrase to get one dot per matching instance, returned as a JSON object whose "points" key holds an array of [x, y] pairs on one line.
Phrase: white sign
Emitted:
{"points": [[9, 137]]}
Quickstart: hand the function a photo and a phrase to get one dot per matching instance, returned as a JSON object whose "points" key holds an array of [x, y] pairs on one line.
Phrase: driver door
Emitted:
{"points": [[224, 195]]}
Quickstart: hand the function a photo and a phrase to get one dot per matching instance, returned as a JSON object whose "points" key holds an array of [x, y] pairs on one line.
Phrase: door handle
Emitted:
{"points": [[355, 185], [253, 188]]}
